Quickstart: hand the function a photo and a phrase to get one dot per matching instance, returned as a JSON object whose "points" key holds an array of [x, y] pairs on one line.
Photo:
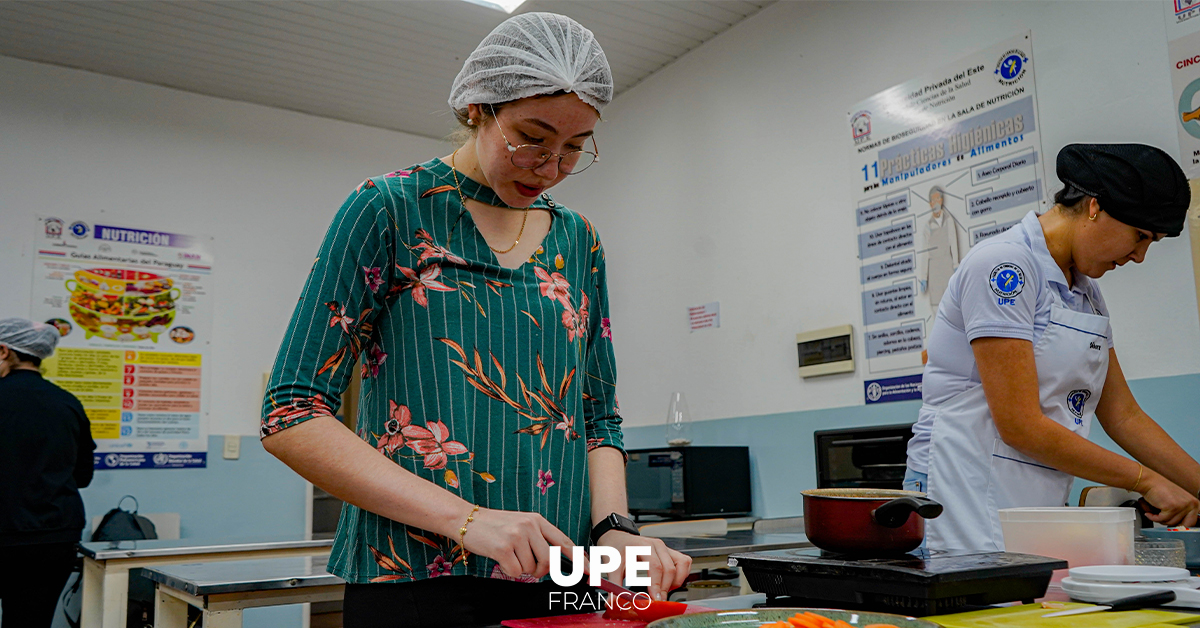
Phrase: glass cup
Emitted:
{"points": [[679, 421], [1159, 552]]}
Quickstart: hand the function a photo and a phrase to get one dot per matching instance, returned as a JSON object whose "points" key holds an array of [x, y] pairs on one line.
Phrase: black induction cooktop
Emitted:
{"points": [[919, 583]]}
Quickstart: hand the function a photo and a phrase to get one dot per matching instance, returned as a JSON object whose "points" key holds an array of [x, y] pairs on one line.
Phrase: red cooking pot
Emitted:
{"points": [[867, 521]]}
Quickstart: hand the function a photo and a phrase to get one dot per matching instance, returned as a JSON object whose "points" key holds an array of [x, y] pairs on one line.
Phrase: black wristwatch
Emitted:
{"points": [[613, 522]]}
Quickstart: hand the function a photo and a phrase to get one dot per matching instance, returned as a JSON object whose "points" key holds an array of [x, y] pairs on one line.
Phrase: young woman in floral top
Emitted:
{"points": [[478, 308]]}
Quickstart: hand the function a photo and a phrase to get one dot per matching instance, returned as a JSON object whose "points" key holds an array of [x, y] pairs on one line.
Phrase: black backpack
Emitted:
{"points": [[124, 525], [127, 525]]}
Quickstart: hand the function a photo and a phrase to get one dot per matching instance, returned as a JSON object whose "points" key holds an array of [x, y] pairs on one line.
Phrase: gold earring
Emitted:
{"points": [[1092, 217]]}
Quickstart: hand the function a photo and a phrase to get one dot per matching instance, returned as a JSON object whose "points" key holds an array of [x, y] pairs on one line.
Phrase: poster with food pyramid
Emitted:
{"points": [[133, 308]]}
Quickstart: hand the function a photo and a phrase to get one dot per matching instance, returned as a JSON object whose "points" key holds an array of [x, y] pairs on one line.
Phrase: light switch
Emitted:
{"points": [[233, 446]]}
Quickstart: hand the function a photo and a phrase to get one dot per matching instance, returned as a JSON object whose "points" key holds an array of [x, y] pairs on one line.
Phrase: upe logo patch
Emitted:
{"points": [[1007, 280], [1011, 67], [1075, 401]]}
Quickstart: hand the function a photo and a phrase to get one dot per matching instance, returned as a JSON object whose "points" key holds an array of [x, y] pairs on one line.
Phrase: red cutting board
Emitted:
{"points": [[587, 620]]}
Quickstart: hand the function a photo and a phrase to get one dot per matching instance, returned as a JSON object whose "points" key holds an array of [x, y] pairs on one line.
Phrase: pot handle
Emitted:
{"points": [[894, 514]]}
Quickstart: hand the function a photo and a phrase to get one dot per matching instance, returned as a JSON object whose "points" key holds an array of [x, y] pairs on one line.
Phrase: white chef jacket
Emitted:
{"points": [[975, 306]]}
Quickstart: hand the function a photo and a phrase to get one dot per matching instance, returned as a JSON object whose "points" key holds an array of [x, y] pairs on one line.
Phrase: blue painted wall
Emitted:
{"points": [[781, 445]]}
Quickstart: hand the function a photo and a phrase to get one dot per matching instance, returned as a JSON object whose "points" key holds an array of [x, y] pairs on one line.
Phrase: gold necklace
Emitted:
{"points": [[457, 186]]}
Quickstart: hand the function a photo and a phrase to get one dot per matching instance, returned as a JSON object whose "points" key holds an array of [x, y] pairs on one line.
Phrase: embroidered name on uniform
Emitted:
{"points": [[1095, 345], [1007, 280]]}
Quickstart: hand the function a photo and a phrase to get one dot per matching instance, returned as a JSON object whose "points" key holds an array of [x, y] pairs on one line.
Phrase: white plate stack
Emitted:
{"points": [[1100, 584]]}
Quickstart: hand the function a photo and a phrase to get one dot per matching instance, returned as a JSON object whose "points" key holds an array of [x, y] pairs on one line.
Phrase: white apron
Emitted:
{"points": [[974, 474]]}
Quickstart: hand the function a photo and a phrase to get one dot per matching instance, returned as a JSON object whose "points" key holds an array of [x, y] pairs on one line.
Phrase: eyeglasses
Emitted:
{"points": [[532, 156]]}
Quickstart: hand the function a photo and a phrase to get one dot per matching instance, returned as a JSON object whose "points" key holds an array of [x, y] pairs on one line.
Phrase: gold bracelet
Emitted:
{"points": [[462, 532], [1141, 469]]}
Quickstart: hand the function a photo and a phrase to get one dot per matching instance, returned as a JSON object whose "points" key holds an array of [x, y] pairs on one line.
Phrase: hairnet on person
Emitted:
{"points": [[534, 54], [26, 336], [1139, 185]]}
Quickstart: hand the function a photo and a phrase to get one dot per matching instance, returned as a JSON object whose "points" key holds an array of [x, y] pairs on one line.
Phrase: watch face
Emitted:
{"points": [[613, 522], [623, 524]]}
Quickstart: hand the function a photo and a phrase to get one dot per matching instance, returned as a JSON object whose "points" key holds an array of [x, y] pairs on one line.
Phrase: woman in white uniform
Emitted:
{"points": [[1021, 358]]}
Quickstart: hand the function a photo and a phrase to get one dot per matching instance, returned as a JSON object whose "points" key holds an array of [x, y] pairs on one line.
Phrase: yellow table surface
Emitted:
{"points": [[1030, 616]]}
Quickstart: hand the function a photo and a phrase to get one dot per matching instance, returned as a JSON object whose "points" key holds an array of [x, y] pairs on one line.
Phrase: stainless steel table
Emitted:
{"points": [[222, 590], [712, 552], [106, 566]]}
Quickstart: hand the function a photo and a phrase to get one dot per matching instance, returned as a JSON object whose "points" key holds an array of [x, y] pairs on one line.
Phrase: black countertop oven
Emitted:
{"points": [[687, 482], [862, 457]]}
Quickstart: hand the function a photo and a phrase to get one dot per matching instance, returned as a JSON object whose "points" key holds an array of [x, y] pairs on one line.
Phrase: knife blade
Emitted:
{"points": [[612, 587], [1133, 602], [605, 584]]}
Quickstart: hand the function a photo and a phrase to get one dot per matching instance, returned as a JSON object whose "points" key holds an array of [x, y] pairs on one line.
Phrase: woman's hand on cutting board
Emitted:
{"points": [[668, 568], [519, 541]]}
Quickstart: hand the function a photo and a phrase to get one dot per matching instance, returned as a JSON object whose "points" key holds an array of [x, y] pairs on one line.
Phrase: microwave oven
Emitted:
{"points": [[685, 482], [862, 457]]}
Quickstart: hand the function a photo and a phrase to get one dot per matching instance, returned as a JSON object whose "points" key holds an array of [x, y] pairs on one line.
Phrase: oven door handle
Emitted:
{"points": [[867, 441]]}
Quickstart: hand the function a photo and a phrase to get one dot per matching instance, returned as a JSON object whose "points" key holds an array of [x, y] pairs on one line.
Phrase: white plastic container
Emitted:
{"points": [[1080, 536]]}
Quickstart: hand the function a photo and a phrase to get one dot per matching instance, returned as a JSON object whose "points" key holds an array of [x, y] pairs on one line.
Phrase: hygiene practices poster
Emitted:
{"points": [[134, 309], [940, 163]]}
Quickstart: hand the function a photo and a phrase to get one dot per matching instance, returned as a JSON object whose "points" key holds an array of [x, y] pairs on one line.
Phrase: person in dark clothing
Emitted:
{"points": [[45, 458]]}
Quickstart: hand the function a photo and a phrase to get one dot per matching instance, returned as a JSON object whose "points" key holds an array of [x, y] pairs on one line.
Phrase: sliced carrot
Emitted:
{"points": [[841, 624], [800, 621]]}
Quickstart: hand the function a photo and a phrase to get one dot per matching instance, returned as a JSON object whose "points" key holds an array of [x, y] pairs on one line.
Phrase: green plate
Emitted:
{"points": [[755, 617]]}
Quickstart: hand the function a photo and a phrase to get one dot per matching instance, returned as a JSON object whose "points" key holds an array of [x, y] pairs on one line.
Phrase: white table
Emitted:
{"points": [[223, 590], [106, 567]]}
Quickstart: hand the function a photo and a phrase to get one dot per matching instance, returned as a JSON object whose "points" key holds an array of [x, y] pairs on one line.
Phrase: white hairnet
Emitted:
{"points": [[26, 336], [534, 54]]}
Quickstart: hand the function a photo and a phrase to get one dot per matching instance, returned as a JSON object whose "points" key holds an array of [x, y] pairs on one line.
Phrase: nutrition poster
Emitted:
{"points": [[940, 163], [134, 310]]}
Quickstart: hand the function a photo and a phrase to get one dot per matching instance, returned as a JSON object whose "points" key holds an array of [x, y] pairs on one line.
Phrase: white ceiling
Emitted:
{"points": [[383, 63]]}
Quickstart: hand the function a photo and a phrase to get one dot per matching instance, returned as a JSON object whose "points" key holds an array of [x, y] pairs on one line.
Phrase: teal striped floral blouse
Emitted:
{"points": [[490, 382]]}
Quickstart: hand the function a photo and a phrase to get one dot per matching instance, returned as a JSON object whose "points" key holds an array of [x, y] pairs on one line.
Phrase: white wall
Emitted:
{"points": [[725, 177], [264, 182]]}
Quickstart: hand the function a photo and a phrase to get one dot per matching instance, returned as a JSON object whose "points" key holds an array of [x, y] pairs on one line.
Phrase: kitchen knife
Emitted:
{"points": [[1131, 603], [612, 587], [605, 583]]}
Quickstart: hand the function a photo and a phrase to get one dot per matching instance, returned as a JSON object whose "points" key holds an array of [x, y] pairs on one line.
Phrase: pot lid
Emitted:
{"points": [[860, 493]]}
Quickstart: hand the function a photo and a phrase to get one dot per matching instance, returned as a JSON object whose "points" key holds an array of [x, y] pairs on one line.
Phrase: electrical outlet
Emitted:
{"points": [[233, 446]]}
